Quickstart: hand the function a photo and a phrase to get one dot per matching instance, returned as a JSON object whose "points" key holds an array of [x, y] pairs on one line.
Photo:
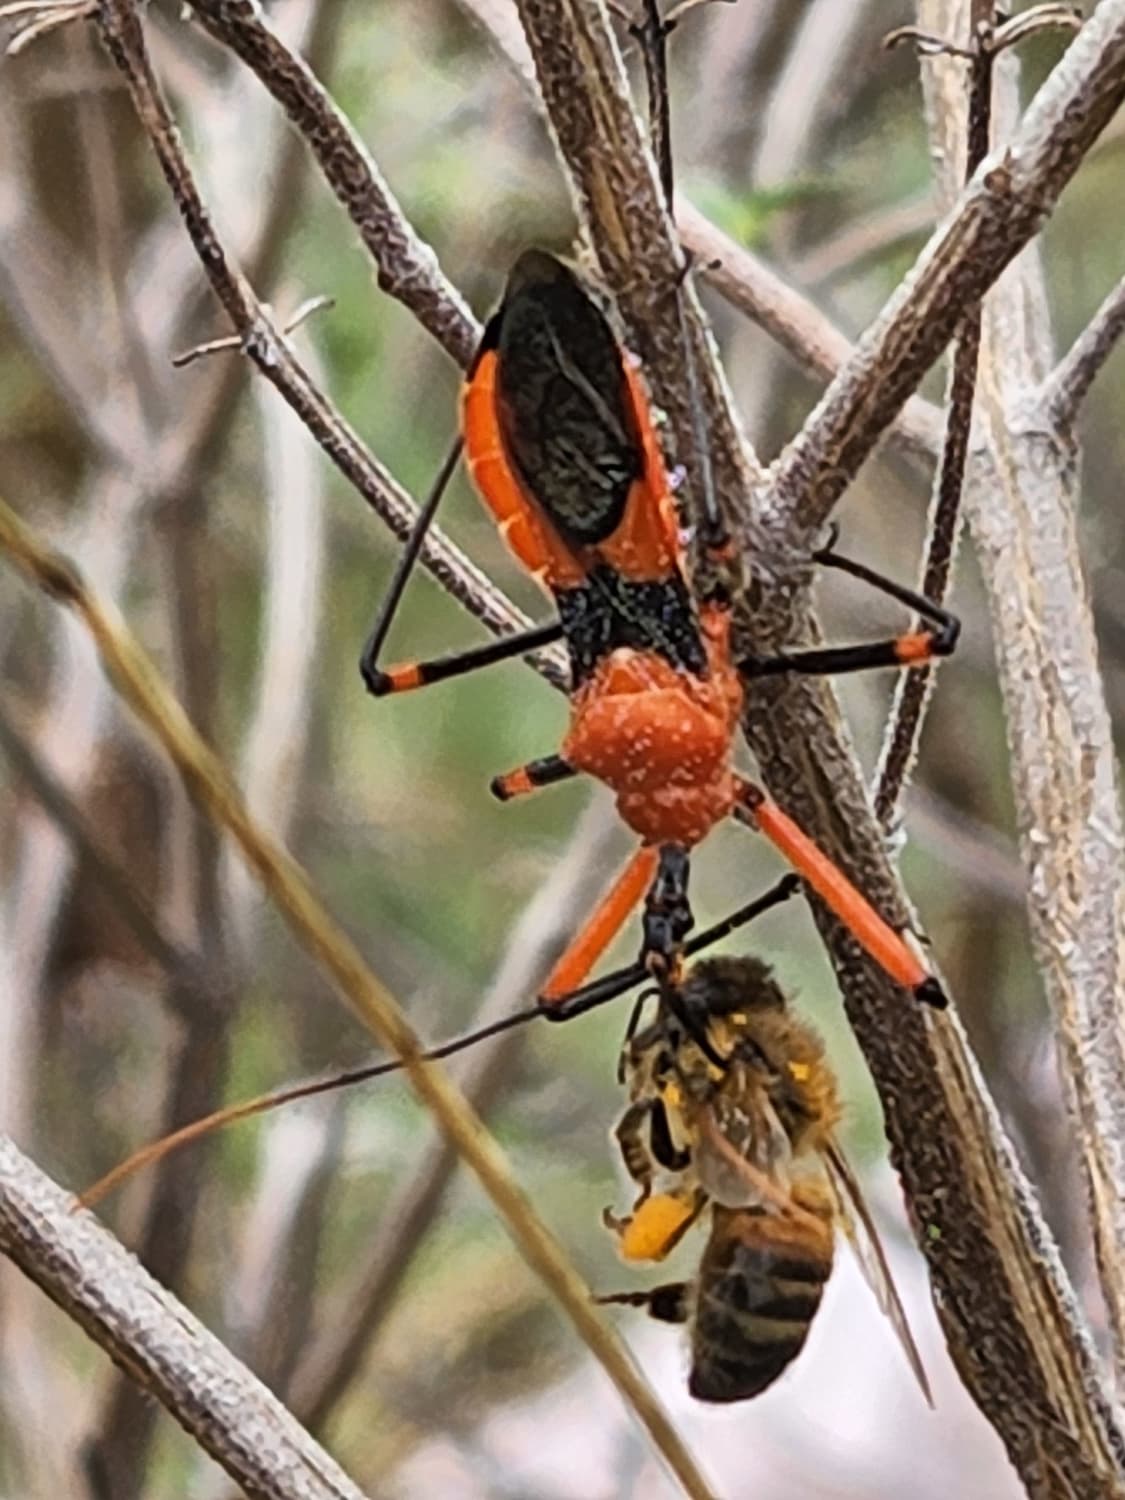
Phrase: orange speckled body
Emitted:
{"points": [[661, 738]]}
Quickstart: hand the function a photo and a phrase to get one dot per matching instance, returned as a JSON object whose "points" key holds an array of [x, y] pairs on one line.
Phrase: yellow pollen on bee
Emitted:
{"points": [[800, 1072], [654, 1228]]}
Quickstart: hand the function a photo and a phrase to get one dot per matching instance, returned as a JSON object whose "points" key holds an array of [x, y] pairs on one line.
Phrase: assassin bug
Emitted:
{"points": [[562, 449]]}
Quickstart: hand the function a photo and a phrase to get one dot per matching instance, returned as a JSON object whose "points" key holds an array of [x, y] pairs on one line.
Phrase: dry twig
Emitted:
{"points": [[274, 357]]}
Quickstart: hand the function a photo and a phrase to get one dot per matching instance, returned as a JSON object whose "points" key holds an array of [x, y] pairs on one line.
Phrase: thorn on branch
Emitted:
{"points": [[240, 340]]}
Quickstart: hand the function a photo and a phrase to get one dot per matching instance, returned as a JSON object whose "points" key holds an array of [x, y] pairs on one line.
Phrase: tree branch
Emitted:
{"points": [[1002, 208], [407, 268], [795, 323], [1069, 383], [158, 1342], [274, 357]]}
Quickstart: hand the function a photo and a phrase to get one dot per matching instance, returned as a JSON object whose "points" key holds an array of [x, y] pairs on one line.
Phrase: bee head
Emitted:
{"points": [[721, 986]]}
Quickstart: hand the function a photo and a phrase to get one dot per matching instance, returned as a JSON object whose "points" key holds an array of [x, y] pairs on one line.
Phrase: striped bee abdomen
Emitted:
{"points": [[759, 1286]]}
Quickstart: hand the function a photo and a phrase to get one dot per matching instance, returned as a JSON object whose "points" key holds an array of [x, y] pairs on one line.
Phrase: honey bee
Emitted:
{"points": [[732, 1113]]}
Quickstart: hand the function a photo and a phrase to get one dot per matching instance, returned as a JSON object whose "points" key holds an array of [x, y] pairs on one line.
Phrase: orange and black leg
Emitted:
{"points": [[914, 648], [418, 674], [620, 981], [659, 877], [546, 771], [403, 678], [886, 946]]}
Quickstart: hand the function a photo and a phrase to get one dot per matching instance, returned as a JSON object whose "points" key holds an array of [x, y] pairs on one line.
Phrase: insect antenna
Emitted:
{"points": [[262, 1104]]}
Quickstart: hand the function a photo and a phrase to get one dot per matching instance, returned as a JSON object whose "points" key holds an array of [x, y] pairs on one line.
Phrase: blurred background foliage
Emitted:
{"points": [[801, 137]]}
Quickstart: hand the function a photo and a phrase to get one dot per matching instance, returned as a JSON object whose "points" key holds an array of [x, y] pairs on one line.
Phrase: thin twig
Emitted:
{"points": [[1002, 208], [316, 931], [539, 937], [406, 267], [914, 690], [873, 237], [1070, 381], [801, 329], [231, 341], [156, 1339]]}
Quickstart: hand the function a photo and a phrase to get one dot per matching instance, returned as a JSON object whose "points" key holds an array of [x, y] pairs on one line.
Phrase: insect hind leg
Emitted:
{"points": [[670, 1303]]}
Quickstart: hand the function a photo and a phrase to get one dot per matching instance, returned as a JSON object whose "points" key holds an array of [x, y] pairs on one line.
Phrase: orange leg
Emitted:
{"points": [[530, 777], [408, 675], [881, 941], [603, 925]]}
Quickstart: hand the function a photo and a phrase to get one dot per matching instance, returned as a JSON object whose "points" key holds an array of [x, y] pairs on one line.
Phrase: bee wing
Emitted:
{"points": [[743, 1153], [863, 1237]]}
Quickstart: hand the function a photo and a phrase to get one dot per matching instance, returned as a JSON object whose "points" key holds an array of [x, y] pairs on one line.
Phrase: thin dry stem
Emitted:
{"points": [[407, 268], [537, 941], [914, 690], [314, 928], [798, 327], [274, 357], [1070, 382]]}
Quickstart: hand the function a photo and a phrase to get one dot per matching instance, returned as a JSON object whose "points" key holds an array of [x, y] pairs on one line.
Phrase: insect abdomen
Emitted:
{"points": [[759, 1287]]}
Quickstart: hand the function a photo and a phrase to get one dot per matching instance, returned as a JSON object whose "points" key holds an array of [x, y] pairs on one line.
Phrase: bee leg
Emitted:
{"points": [[669, 1303], [618, 1223], [629, 1133]]}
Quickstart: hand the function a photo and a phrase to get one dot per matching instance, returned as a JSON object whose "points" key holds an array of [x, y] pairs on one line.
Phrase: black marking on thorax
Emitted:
{"points": [[609, 611]]}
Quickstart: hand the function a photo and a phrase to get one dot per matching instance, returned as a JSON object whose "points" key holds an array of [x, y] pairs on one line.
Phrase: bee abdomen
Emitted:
{"points": [[755, 1302]]}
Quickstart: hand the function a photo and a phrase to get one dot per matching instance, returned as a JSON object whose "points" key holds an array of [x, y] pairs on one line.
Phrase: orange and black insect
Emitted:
{"points": [[562, 449]]}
